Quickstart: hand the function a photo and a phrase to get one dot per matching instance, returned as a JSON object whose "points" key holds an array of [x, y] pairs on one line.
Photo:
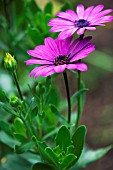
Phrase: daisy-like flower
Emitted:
{"points": [[79, 21], [58, 55]]}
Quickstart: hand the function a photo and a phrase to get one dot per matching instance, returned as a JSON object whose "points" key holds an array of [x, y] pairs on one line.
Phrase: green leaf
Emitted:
{"points": [[19, 126], [63, 138], [41, 166], [89, 156], [51, 133], [35, 35], [6, 127], [68, 161], [46, 20], [8, 109], [46, 153], [23, 147], [8, 140], [52, 156], [41, 147], [75, 95], [20, 138], [70, 149], [78, 140], [66, 6], [57, 114], [48, 8], [3, 96]]}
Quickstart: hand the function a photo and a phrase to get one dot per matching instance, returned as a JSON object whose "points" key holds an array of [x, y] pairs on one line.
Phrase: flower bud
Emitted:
{"points": [[14, 101], [9, 62]]}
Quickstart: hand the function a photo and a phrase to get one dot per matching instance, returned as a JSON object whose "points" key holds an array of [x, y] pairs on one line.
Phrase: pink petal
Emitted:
{"points": [[61, 28], [107, 18], [95, 11], [107, 11], [73, 14], [81, 31], [42, 53], [48, 71], [66, 33], [37, 61], [91, 28], [78, 66], [40, 71], [84, 52], [66, 45], [60, 68], [88, 11], [80, 11], [74, 43], [59, 22], [36, 70], [65, 15], [60, 44], [50, 43], [82, 44]]}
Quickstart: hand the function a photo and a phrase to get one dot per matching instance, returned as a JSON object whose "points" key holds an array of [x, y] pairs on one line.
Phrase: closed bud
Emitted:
{"points": [[9, 62], [14, 101]]}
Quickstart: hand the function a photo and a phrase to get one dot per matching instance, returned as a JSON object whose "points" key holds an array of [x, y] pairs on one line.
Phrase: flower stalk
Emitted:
{"points": [[68, 96], [17, 85]]}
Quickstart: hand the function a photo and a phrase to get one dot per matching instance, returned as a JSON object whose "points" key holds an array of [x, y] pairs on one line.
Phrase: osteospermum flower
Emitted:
{"points": [[79, 21], [58, 55]]}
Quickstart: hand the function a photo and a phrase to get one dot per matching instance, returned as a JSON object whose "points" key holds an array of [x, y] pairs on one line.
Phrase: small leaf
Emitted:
{"points": [[70, 149], [41, 147], [68, 161], [75, 96], [57, 114], [41, 166], [8, 109], [48, 8], [19, 126], [23, 148], [63, 138], [20, 138], [78, 140], [51, 154]]}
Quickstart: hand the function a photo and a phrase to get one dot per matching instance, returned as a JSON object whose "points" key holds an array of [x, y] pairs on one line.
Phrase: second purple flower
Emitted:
{"points": [[58, 55]]}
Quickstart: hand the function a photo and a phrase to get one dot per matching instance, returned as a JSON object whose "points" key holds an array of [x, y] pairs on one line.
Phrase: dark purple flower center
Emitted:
{"points": [[60, 60], [82, 23]]}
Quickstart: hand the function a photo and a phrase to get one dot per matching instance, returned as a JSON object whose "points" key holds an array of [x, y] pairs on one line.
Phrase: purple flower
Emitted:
{"points": [[58, 55], [79, 21]]}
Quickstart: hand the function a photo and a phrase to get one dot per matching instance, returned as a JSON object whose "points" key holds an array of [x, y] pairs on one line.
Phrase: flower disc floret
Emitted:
{"points": [[81, 20], [57, 55], [61, 59]]}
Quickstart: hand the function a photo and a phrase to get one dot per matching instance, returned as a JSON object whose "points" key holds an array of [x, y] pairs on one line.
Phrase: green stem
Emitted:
{"points": [[17, 85], [68, 95], [78, 101]]}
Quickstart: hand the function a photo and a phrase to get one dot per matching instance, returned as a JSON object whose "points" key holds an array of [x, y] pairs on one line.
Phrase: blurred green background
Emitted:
{"points": [[23, 25]]}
